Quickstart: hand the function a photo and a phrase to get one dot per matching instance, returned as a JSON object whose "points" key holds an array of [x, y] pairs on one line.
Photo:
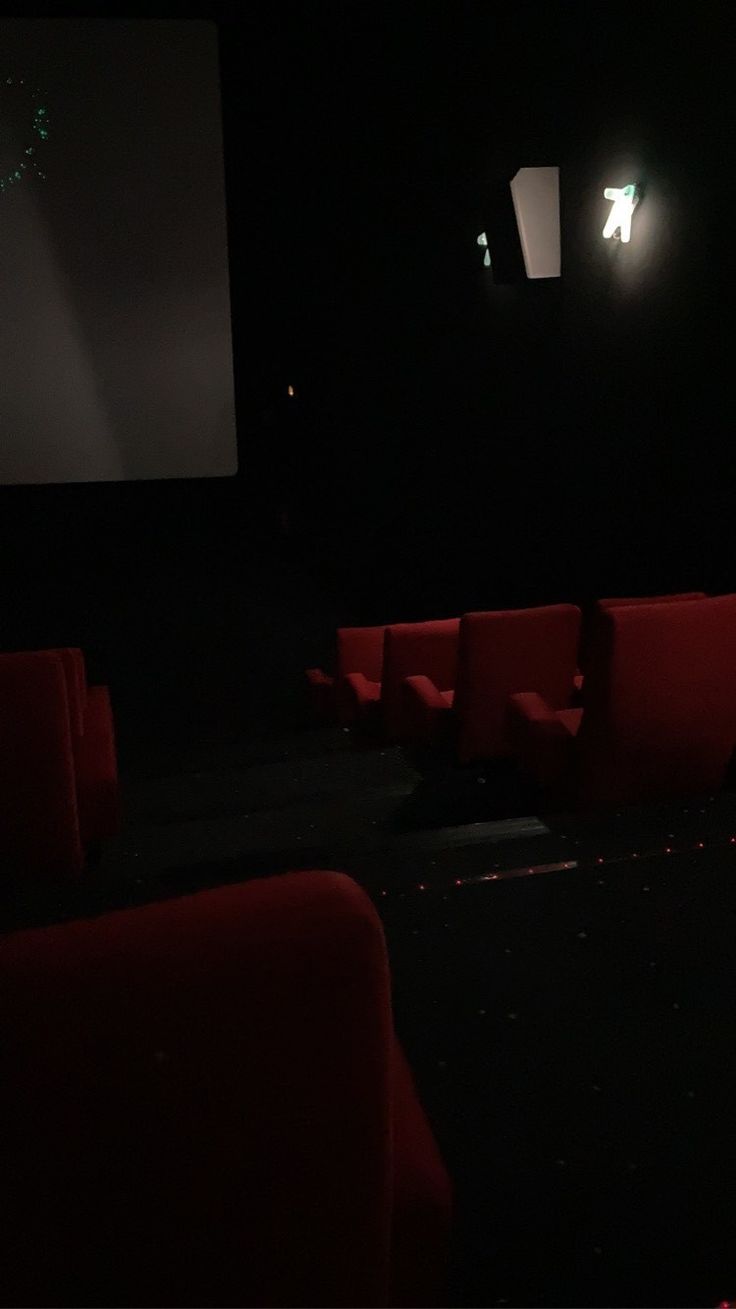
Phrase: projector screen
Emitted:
{"points": [[115, 335]]}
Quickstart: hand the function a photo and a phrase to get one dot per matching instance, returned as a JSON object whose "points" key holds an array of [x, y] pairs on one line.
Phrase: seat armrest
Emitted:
{"points": [[361, 690], [425, 708], [322, 692], [357, 698], [317, 677], [422, 690], [533, 708], [540, 739]]}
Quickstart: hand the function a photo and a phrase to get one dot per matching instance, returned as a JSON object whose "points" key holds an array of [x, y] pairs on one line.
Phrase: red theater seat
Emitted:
{"points": [[612, 602], [58, 769], [205, 1104], [360, 657], [660, 709], [587, 636], [499, 652], [428, 649]]}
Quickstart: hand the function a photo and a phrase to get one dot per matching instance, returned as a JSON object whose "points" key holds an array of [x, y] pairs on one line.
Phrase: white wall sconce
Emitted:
{"points": [[624, 201], [536, 196], [525, 226]]}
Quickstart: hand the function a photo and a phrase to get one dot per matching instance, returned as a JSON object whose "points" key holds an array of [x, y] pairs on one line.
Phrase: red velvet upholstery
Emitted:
{"points": [[497, 651], [358, 701], [542, 739], [75, 676], [427, 711], [422, 1199], [209, 1107], [505, 651], [58, 768], [410, 649], [660, 709], [359, 662], [588, 634], [360, 650], [611, 602]]}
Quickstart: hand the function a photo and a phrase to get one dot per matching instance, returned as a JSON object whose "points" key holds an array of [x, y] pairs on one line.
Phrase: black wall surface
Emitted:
{"points": [[452, 443]]}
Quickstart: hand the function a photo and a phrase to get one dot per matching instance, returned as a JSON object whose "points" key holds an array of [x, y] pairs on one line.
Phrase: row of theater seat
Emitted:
{"points": [[205, 1103], [631, 702], [58, 768]]}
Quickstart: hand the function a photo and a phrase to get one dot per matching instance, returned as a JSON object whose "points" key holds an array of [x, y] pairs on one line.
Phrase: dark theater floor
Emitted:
{"points": [[564, 989]]}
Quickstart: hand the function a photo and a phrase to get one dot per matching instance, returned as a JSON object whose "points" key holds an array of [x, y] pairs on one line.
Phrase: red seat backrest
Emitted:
{"points": [[72, 660], [612, 602], [75, 676], [660, 702], [588, 635], [506, 651], [199, 1094], [76, 680], [360, 650], [410, 649]]}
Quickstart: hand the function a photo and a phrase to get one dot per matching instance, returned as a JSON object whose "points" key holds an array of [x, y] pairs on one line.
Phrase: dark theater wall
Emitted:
{"points": [[452, 443], [510, 441]]}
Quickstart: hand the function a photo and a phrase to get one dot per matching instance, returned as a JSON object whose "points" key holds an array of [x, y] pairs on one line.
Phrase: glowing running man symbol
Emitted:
{"points": [[625, 200]]}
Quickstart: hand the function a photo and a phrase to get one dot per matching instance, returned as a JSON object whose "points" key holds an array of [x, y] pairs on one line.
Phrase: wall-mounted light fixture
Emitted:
{"points": [[523, 226], [624, 201], [536, 196]]}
